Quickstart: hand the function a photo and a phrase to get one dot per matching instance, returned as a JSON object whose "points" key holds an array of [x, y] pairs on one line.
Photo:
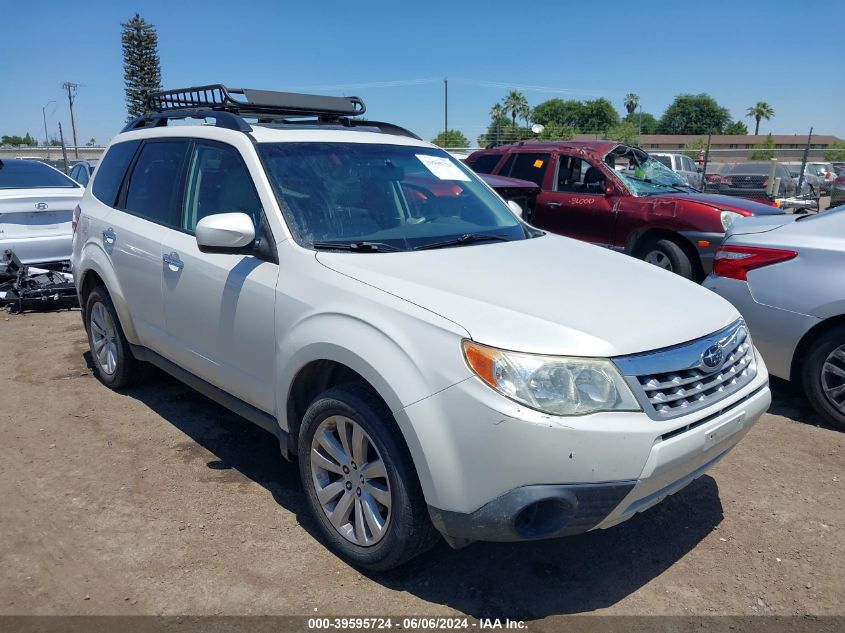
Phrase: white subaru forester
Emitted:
{"points": [[435, 365]]}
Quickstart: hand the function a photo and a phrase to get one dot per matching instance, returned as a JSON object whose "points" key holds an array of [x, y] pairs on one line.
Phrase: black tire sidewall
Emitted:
{"points": [[388, 552], [812, 375], [681, 264]]}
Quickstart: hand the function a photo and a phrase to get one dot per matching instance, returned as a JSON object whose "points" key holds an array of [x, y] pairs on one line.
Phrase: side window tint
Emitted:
{"points": [[218, 182], [154, 183], [112, 170], [486, 163], [506, 168], [577, 175], [530, 167]]}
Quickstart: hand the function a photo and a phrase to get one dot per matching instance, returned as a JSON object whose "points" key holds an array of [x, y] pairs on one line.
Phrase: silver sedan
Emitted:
{"points": [[785, 275]]}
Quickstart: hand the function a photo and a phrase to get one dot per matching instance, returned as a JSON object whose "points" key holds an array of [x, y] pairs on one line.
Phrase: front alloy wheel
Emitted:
{"points": [[350, 480], [833, 378], [103, 338]]}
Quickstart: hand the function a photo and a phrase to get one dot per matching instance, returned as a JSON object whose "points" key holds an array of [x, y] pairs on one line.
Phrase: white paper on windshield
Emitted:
{"points": [[441, 167]]}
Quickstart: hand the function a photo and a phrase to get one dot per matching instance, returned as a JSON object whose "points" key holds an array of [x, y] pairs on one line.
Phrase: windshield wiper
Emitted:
{"points": [[355, 247], [466, 238]]}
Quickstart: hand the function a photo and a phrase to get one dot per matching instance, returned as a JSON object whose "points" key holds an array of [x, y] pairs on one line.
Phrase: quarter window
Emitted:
{"points": [[154, 184], [486, 163], [111, 171], [218, 182]]}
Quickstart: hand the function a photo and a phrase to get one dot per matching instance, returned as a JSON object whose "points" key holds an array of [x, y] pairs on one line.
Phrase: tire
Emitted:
{"points": [[118, 368], [407, 529], [669, 255], [823, 376]]}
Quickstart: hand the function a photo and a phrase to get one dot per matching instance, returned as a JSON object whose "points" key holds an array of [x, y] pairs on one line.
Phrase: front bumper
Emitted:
{"points": [[494, 470]]}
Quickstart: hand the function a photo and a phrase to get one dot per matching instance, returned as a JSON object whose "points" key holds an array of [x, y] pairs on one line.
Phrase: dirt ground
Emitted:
{"points": [[158, 501]]}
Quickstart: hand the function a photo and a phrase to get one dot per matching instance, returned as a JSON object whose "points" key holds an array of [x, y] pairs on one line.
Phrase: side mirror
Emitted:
{"points": [[514, 206], [225, 233]]}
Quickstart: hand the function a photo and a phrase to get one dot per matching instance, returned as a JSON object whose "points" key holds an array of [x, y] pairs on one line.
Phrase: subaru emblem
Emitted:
{"points": [[41, 206], [712, 357]]}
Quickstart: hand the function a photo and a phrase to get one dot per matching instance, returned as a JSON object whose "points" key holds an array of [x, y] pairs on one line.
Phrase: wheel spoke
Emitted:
{"points": [[102, 356], [374, 470], [371, 514], [98, 329], [359, 445], [330, 492], [99, 344], [343, 433], [382, 495], [834, 392], [321, 461], [330, 444], [360, 530], [340, 515], [830, 368]]}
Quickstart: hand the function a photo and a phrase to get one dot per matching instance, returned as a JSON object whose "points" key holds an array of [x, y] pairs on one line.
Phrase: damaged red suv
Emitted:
{"points": [[617, 196]]}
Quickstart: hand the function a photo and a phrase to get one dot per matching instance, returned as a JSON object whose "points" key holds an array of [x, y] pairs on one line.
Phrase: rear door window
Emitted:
{"points": [[486, 163], [577, 175], [155, 184], [112, 170], [530, 166]]}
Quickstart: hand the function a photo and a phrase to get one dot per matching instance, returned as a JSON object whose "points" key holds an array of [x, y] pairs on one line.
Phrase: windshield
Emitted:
{"points": [[399, 197], [647, 176], [24, 174]]}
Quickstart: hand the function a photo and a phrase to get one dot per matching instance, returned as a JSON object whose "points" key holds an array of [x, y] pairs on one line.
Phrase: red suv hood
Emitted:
{"points": [[726, 203]]}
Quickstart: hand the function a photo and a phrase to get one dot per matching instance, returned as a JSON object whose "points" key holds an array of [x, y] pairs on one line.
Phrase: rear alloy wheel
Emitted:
{"points": [[824, 376], [360, 482], [113, 360], [668, 255]]}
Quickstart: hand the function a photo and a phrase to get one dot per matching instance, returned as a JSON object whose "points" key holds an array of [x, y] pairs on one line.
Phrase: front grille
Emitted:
{"points": [[677, 381]]}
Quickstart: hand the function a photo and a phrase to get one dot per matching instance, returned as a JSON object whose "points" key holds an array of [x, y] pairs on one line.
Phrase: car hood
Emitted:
{"points": [[726, 203], [549, 295], [761, 224]]}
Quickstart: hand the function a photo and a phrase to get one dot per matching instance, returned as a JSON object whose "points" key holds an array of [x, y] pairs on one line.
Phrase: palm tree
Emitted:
{"points": [[632, 100], [516, 105], [761, 110], [496, 113]]}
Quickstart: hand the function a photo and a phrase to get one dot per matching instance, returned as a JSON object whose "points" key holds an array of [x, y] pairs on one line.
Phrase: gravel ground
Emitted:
{"points": [[158, 501]]}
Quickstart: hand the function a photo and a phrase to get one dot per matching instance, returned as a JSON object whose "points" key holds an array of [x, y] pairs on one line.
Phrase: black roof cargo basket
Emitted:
{"points": [[254, 102], [228, 106]]}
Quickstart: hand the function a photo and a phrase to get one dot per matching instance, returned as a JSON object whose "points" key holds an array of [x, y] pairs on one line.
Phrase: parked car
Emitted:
{"points": [[682, 165], [714, 174], [36, 205], [83, 170], [750, 180], [644, 209], [785, 275], [435, 364], [837, 192], [811, 184], [827, 174]]}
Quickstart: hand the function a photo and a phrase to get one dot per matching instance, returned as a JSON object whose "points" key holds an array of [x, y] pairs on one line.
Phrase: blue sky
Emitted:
{"points": [[396, 54]]}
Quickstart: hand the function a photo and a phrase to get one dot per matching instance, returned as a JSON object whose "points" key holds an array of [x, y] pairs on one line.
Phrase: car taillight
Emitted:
{"points": [[75, 220], [734, 262], [828, 175], [714, 178]]}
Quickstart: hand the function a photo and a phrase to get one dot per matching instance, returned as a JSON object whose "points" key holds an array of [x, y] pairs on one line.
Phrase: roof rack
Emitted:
{"points": [[216, 101]]}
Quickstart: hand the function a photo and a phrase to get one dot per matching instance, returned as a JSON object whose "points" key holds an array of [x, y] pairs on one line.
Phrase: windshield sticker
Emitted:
{"points": [[538, 163], [441, 167]]}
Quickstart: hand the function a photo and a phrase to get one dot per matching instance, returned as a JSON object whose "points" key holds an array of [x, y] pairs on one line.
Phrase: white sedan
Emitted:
{"points": [[36, 211]]}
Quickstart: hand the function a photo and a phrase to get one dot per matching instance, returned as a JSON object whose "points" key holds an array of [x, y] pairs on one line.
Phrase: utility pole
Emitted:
{"points": [[445, 112], [62, 140], [804, 162], [46, 137], [72, 89], [706, 161]]}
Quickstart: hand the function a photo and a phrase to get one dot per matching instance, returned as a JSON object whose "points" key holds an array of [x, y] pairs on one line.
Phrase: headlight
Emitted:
{"points": [[729, 217], [554, 384]]}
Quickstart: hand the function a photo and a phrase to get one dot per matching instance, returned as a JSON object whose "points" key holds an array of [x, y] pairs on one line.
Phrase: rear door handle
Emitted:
{"points": [[109, 236], [173, 261], [553, 205]]}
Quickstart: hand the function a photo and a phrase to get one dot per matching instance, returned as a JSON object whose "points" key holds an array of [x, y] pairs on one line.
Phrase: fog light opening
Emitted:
{"points": [[542, 518]]}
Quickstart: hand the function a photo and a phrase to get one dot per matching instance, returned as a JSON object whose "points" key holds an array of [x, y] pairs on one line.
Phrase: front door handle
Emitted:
{"points": [[109, 236], [173, 261], [553, 205]]}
